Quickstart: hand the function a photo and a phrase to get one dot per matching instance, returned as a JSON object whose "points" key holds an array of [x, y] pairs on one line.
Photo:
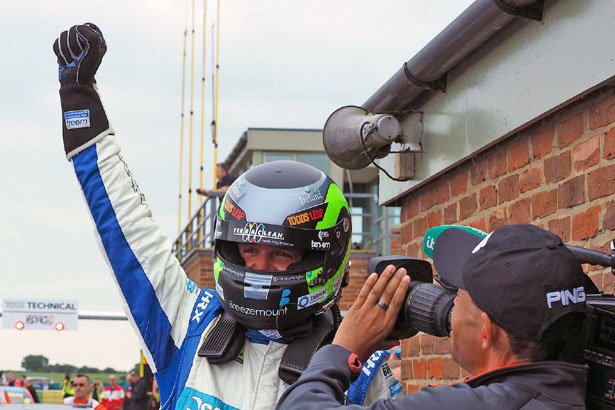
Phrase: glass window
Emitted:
{"points": [[278, 156], [317, 160]]}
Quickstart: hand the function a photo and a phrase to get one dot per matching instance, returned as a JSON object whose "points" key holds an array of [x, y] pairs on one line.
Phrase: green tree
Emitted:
{"points": [[34, 362]]}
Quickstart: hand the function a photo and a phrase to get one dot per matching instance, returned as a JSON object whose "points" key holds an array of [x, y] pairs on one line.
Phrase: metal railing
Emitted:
{"points": [[199, 232], [373, 233], [376, 222]]}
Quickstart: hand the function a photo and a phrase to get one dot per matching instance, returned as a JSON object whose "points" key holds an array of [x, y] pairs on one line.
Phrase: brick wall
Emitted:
{"points": [[199, 267], [558, 174]]}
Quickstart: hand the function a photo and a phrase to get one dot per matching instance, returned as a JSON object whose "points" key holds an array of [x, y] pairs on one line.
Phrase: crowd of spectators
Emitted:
{"points": [[140, 392]]}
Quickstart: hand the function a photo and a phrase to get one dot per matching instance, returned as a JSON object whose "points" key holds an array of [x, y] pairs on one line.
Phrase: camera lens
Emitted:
{"points": [[427, 308]]}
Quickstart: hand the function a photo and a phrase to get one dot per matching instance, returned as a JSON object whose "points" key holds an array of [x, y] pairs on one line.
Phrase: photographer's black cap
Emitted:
{"points": [[522, 276]]}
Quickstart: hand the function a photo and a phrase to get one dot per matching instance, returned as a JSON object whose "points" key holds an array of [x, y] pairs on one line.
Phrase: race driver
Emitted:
{"points": [[281, 253]]}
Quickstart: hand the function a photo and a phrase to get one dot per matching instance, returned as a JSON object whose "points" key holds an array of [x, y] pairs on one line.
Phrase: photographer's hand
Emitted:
{"points": [[367, 324]]}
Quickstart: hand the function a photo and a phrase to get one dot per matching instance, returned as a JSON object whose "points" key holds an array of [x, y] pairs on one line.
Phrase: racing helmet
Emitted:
{"points": [[287, 204]]}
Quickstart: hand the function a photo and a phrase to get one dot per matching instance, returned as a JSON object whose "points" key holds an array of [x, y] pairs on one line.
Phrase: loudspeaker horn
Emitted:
{"points": [[351, 134]]}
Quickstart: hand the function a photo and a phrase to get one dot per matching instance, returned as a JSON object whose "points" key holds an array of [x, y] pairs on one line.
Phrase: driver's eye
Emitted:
{"points": [[248, 251]]}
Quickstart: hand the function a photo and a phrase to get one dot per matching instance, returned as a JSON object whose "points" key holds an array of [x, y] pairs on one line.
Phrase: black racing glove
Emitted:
{"points": [[80, 51]]}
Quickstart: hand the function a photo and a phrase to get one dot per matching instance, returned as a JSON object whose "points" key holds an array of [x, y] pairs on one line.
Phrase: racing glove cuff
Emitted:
{"points": [[84, 118]]}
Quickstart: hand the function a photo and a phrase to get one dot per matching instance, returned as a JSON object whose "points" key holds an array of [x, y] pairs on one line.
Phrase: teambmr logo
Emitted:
{"points": [[77, 119], [566, 297], [254, 233]]}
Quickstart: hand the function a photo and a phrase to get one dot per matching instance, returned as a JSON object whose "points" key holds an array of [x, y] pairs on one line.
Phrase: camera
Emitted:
{"points": [[428, 308]]}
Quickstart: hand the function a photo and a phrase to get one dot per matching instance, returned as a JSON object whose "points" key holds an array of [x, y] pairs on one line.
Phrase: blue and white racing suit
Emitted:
{"points": [[170, 314]]}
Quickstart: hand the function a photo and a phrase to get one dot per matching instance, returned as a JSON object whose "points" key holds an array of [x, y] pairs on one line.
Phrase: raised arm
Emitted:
{"points": [[158, 297]]}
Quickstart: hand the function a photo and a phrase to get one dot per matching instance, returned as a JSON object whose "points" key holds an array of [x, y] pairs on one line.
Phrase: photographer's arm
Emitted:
{"points": [[364, 327]]}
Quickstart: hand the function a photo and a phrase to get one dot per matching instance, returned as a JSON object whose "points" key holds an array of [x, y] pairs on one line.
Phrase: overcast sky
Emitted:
{"points": [[282, 64]]}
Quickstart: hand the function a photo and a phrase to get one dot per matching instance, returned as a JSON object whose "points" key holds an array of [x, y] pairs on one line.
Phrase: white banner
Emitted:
{"points": [[46, 314]]}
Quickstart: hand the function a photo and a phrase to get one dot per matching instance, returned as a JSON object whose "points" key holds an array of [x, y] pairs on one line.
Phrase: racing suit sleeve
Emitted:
{"points": [[158, 297]]}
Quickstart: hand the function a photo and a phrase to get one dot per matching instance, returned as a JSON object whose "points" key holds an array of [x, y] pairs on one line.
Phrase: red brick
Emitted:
{"points": [[451, 369], [410, 388], [608, 283], [467, 206], [570, 130], [427, 344], [478, 172], [406, 369], [557, 167], [459, 183], [450, 214], [479, 224], [497, 218], [571, 192], [406, 232], [419, 368], [530, 179], [488, 197], [544, 203], [508, 189], [601, 182], [435, 368], [609, 216], [418, 229], [497, 164], [587, 153], [414, 347], [443, 345], [410, 207], [427, 199], [602, 114], [412, 250], [518, 154], [542, 142], [609, 144], [442, 192], [521, 211], [585, 224], [434, 219]]}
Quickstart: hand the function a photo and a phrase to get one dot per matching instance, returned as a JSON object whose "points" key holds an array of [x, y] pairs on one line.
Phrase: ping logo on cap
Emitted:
{"points": [[77, 119], [482, 243], [566, 297]]}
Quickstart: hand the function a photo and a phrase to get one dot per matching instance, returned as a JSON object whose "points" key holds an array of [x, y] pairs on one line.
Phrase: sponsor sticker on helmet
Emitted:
{"points": [[311, 299], [257, 232], [307, 217], [311, 195], [238, 189], [233, 210]]}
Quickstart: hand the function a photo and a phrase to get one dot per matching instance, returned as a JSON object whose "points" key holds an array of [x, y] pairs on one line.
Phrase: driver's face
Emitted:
{"points": [[267, 257]]}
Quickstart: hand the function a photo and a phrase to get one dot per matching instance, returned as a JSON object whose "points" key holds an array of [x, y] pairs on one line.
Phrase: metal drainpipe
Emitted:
{"points": [[428, 68]]}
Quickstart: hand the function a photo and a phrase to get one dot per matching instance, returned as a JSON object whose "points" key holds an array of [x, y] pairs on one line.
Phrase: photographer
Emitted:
{"points": [[515, 327]]}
